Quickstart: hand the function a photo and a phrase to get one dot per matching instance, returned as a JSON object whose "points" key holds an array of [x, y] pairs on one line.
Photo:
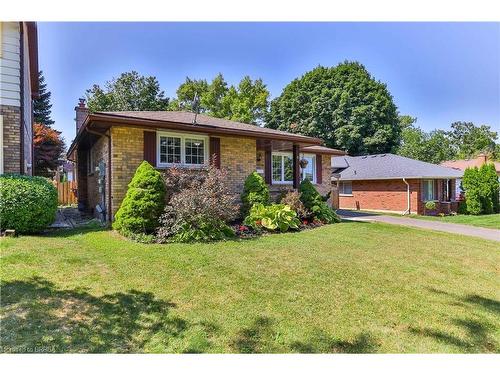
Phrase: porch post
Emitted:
{"points": [[295, 166]]}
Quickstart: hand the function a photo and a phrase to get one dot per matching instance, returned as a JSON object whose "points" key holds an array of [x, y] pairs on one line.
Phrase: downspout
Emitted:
{"points": [[407, 212]]}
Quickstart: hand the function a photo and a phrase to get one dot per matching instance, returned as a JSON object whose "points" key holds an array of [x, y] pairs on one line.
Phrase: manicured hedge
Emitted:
{"points": [[27, 204]]}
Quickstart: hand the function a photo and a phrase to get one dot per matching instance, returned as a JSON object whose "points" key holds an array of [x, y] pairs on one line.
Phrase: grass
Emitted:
{"points": [[349, 287], [485, 221]]}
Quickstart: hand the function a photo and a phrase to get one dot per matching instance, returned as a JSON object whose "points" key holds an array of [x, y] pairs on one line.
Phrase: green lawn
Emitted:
{"points": [[349, 287], [486, 221]]}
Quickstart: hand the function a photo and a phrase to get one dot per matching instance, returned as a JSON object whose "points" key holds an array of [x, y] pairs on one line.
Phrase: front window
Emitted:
{"points": [[309, 171], [429, 192], [282, 168], [345, 188], [182, 149]]}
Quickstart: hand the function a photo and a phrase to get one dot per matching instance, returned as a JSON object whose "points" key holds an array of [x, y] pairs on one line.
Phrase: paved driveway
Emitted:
{"points": [[467, 230]]}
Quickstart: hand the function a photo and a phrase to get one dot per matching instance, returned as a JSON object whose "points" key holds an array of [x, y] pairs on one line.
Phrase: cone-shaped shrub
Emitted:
{"points": [[315, 204], [254, 191], [143, 204]]}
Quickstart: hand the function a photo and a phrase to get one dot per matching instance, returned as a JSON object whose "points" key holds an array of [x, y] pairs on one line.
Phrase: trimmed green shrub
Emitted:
{"points": [[273, 217], [430, 205], [489, 183], [314, 203], [143, 203], [27, 204], [254, 191], [481, 190]]}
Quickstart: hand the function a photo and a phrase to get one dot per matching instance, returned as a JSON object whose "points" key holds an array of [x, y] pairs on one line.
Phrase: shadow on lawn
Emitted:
{"points": [[35, 314], [63, 232], [261, 337], [479, 334]]}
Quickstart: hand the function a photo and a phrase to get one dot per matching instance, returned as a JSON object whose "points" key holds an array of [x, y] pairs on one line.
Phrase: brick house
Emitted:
{"points": [[109, 146], [18, 87], [393, 183]]}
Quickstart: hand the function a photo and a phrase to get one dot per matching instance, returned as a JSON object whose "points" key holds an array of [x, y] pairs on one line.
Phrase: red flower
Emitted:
{"points": [[258, 222], [243, 228], [305, 222]]}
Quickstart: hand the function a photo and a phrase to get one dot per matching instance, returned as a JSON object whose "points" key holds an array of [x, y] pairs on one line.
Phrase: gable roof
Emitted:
{"points": [[208, 122], [388, 166], [184, 121]]}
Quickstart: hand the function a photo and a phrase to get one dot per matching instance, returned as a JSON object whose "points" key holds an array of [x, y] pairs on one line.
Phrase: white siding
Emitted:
{"points": [[27, 109], [10, 86]]}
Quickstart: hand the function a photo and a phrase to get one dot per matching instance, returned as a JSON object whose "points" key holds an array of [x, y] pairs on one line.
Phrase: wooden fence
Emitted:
{"points": [[65, 192]]}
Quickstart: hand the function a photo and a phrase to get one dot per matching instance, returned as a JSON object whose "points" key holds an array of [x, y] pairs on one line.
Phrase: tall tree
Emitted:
{"points": [[433, 147], [469, 139], [48, 147], [247, 102], [343, 105], [41, 105], [129, 92]]}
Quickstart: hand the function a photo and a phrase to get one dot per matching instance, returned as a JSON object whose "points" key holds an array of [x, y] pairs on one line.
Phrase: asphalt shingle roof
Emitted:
{"points": [[388, 166]]}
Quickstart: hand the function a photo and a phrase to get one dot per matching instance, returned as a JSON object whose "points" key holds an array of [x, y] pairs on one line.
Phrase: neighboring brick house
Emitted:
{"points": [[468, 163], [393, 183], [18, 87], [109, 146]]}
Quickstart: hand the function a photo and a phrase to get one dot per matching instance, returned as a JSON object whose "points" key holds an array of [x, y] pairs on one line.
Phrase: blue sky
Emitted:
{"points": [[437, 72]]}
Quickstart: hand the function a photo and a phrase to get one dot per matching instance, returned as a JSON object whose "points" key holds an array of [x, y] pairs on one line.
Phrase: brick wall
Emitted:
{"points": [[238, 157], [11, 138], [326, 185], [99, 154], [382, 195], [127, 150]]}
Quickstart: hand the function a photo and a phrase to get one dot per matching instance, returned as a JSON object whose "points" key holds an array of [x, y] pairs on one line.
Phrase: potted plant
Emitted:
{"points": [[303, 163], [430, 208]]}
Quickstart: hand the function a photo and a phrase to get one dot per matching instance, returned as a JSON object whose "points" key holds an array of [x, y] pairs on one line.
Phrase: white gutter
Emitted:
{"points": [[408, 197]]}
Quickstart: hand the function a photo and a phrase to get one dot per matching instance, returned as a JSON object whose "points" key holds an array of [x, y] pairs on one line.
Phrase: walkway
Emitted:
{"points": [[70, 217], [467, 230]]}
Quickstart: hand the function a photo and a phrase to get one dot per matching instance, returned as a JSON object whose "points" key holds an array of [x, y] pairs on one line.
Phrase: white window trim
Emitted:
{"points": [[281, 154], [341, 183], [433, 191], [183, 137], [314, 165], [290, 154]]}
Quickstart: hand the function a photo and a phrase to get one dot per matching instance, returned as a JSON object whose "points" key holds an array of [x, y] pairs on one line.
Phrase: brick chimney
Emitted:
{"points": [[81, 113], [482, 158]]}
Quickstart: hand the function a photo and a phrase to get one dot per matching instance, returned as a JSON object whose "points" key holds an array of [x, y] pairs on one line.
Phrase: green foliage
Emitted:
{"points": [[315, 204], [292, 199], [273, 217], [204, 232], [129, 92], [481, 190], [433, 147], [343, 105], [27, 204], [41, 104], [143, 203], [470, 139], [255, 191], [247, 102], [430, 205]]}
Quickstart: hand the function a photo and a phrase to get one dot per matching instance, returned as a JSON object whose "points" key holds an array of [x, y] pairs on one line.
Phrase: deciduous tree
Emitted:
{"points": [[129, 92], [48, 149], [343, 105]]}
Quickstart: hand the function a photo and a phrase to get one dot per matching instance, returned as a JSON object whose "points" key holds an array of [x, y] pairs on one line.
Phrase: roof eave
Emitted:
{"points": [[132, 121]]}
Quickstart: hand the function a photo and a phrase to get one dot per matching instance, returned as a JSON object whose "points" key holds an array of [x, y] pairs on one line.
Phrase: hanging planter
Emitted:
{"points": [[303, 163]]}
